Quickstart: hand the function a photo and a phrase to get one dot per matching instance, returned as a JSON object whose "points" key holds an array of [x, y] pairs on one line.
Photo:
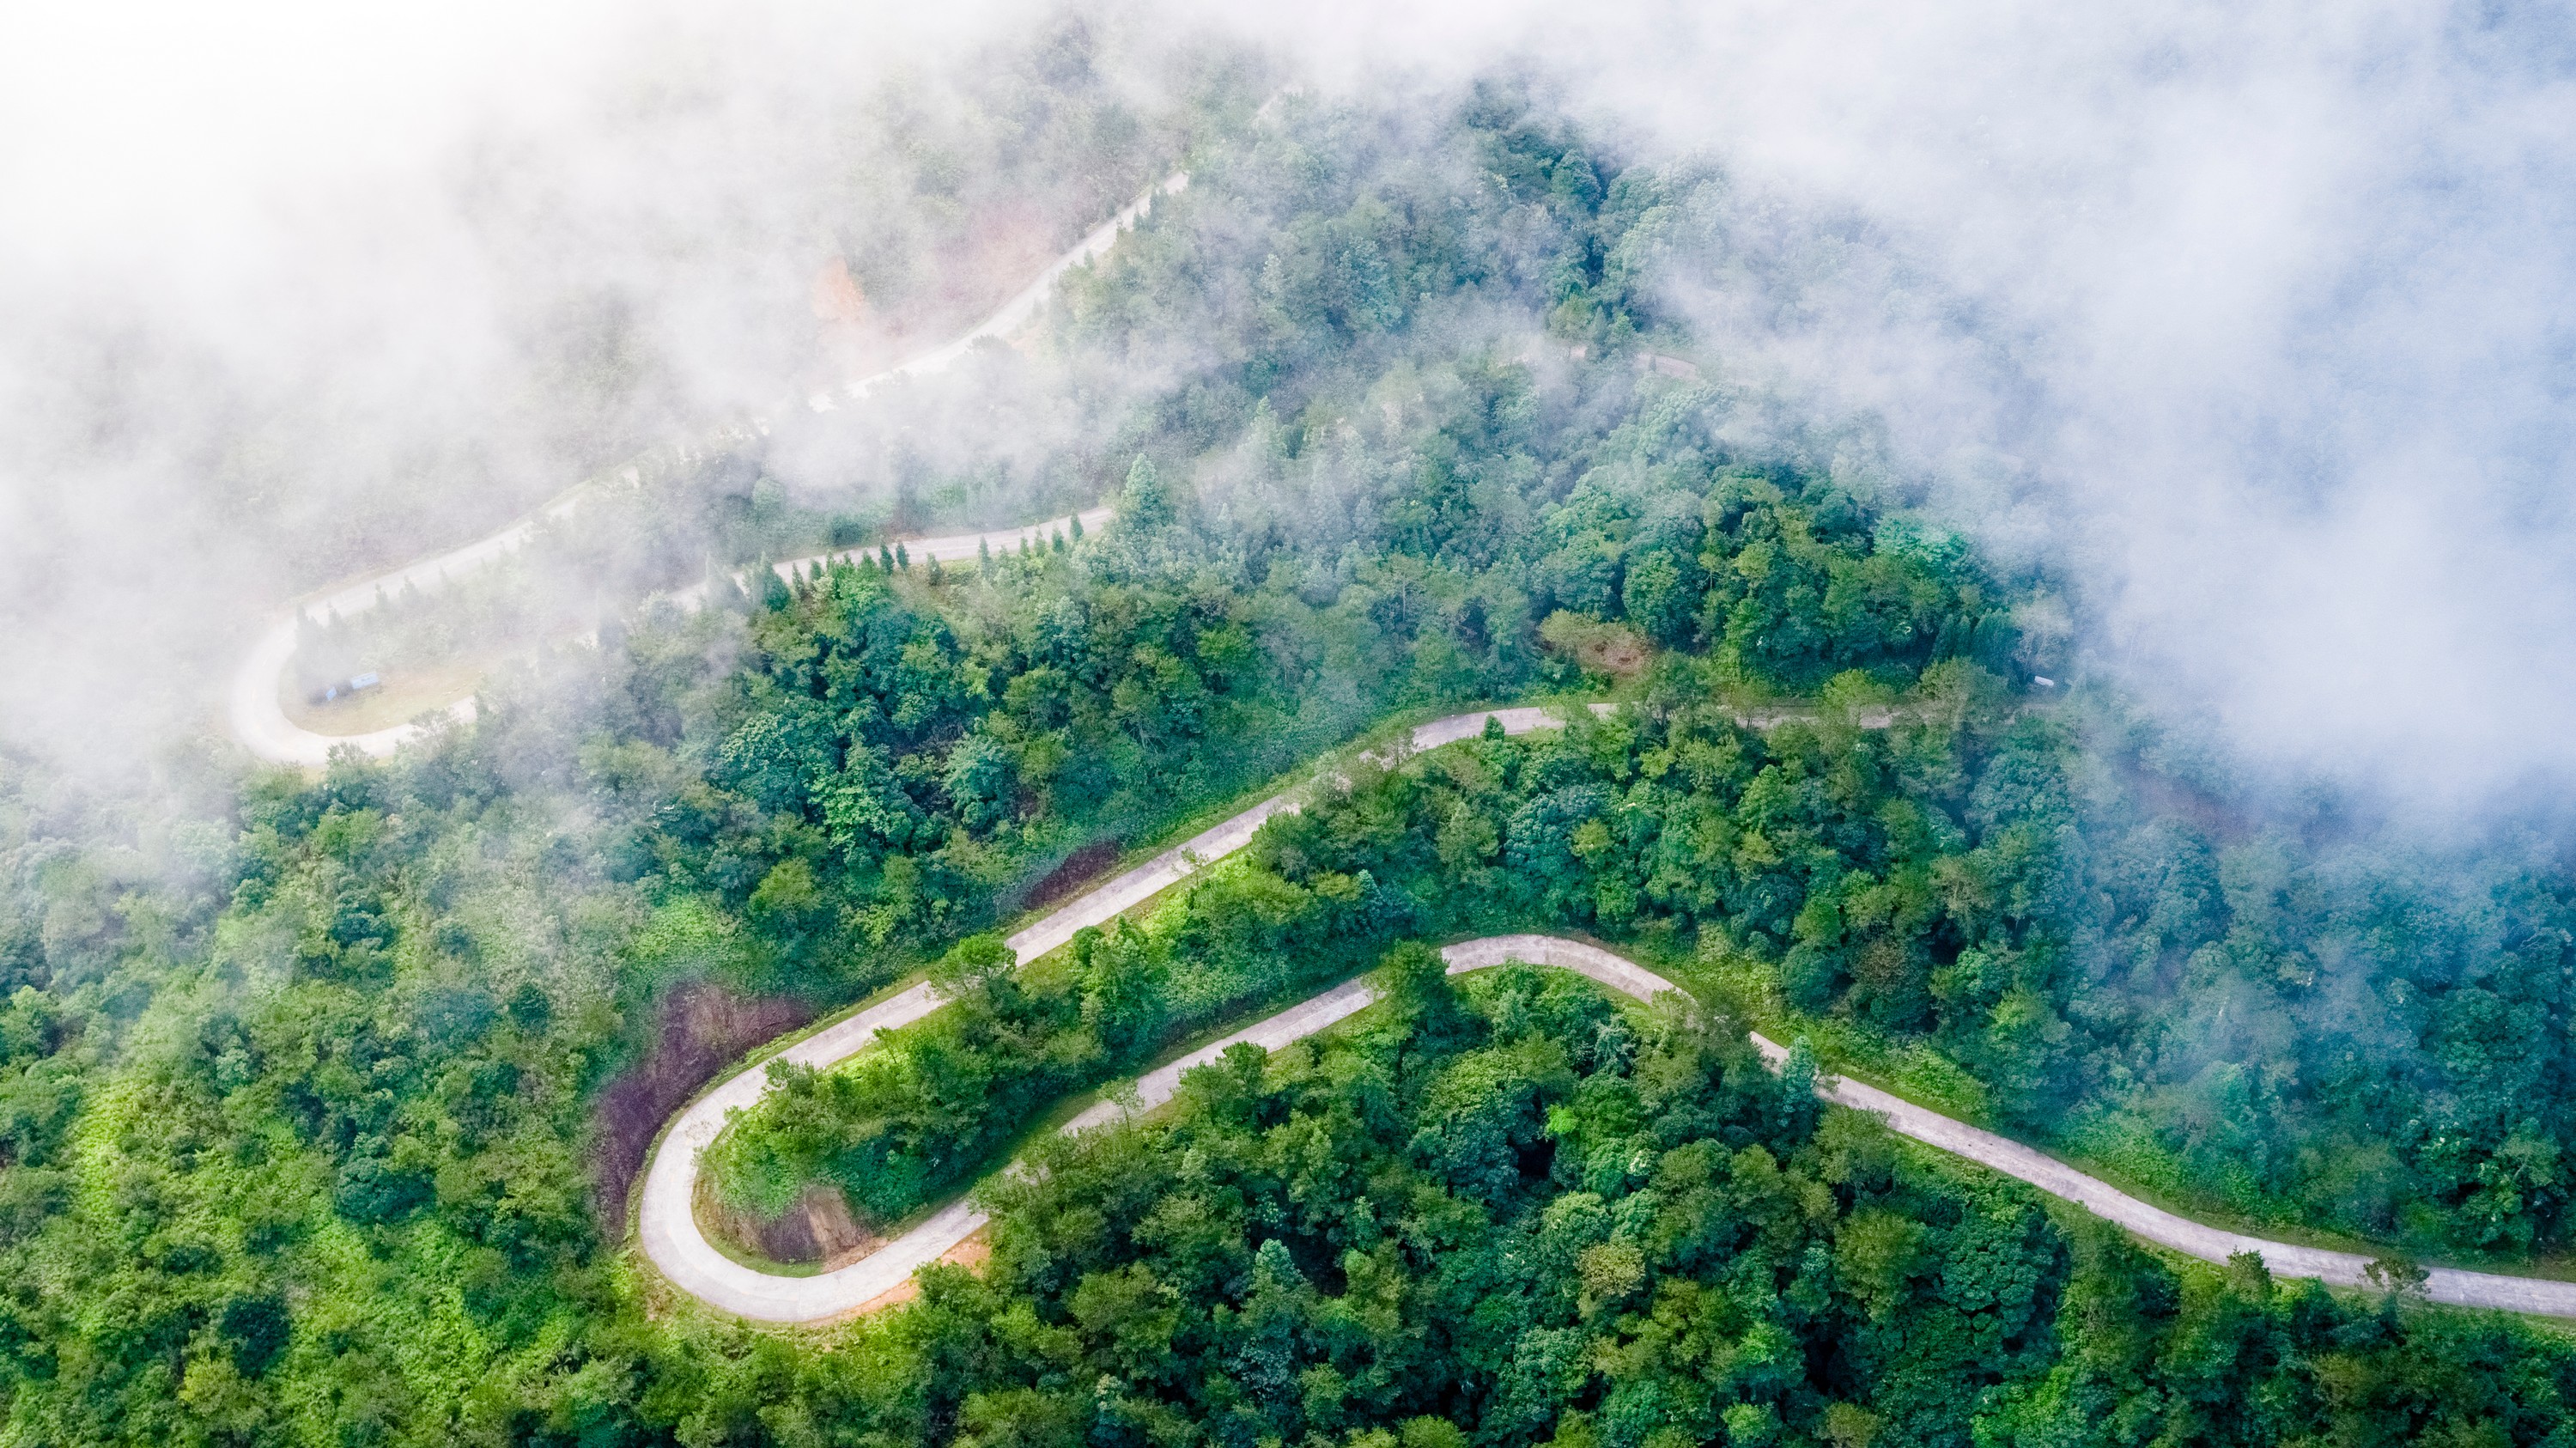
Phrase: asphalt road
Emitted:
{"points": [[668, 1228], [665, 1220]]}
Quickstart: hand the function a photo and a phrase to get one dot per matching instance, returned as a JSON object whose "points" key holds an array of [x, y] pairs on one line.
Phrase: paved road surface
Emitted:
{"points": [[671, 1238]]}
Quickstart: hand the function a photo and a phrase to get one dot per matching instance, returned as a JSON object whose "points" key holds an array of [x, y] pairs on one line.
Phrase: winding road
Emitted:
{"points": [[666, 1222], [667, 1226], [259, 720]]}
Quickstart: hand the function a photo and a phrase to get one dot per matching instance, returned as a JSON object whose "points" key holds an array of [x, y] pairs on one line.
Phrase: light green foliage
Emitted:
{"points": [[1569, 1223], [930, 1102], [319, 1097]]}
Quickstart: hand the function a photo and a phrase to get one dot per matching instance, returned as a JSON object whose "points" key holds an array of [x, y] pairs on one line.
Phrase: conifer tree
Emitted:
{"points": [[1145, 504]]}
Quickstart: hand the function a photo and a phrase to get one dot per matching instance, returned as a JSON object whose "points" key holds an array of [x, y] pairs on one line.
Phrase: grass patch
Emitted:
{"points": [[404, 695]]}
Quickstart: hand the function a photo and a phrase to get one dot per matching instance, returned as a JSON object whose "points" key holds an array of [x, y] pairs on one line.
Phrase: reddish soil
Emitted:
{"points": [[703, 1028], [836, 294], [995, 258], [1601, 648], [1078, 870], [969, 1254]]}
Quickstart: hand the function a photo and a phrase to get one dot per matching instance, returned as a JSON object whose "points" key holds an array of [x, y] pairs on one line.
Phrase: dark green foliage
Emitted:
{"points": [[1564, 1222], [309, 1061], [307, 1084], [1802, 591], [906, 1121], [2113, 977], [1859, 859], [258, 1329]]}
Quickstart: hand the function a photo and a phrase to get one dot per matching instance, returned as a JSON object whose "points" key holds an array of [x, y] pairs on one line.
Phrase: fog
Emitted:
{"points": [[2251, 322], [289, 297], [2256, 318]]}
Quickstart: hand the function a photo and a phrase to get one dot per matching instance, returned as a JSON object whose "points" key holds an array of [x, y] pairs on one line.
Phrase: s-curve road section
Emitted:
{"points": [[666, 1221], [667, 1225], [259, 720]]}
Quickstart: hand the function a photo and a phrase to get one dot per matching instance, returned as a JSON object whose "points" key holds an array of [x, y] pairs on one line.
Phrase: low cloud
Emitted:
{"points": [[2253, 323], [292, 294], [2258, 321]]}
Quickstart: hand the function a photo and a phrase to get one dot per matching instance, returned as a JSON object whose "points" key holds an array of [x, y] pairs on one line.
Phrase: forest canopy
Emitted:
{"points": [[321, 1094]]}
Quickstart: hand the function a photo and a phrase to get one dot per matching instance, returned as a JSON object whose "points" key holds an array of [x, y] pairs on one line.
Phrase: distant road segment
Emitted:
{"points": [[259, 720]]}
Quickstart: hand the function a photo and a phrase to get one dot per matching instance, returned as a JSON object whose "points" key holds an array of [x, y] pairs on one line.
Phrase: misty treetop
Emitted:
{"points": [[892, 752], [1328, 240], [2269, 1004], [319, 1096], [2311, 1030]]}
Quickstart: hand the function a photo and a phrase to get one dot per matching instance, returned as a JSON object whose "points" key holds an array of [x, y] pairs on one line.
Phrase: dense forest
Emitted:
{"points": [[1516, 1214], [320, 1095]]}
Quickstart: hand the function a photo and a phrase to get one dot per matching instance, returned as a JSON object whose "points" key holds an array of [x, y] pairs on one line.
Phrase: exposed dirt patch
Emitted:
{"points": [[969, 1254], [702, 1028], [1079, 869], [836, 294], [817, 1227], [2206, 812], [965, 281], [1598, 648], [1622, 654]]}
